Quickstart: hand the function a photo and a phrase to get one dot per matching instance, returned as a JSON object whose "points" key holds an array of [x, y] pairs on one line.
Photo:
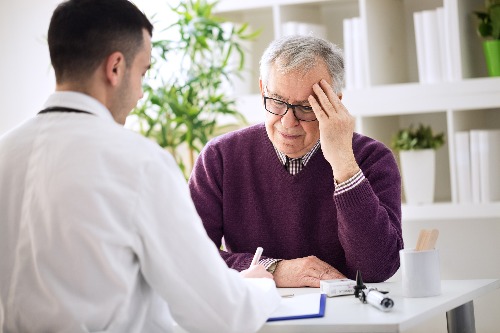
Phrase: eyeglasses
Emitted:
{"points": [[280, 108]]}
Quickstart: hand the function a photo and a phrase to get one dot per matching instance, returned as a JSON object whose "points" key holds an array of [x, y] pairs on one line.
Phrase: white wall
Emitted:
{"points": [[26, 77]]}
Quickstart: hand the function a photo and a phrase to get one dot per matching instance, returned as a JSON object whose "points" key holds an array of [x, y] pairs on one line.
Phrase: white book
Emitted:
{"points": [[362, 40], [489, 164], [474, 166], [432, 48], [348, 54], [316, 30], [303, 29], [418, 24], [462, 156], [444, 49], [290, 28], [357, 53]]}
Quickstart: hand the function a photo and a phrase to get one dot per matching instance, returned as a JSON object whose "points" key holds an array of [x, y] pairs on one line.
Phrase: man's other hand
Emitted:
{"points": [[304, 272]]}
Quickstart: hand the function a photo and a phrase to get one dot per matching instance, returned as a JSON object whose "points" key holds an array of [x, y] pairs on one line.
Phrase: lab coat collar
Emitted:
{"points": [[80, 101]]}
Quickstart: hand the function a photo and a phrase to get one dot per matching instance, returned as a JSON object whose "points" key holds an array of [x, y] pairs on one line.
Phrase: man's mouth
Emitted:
{"points": [[289, 136]]}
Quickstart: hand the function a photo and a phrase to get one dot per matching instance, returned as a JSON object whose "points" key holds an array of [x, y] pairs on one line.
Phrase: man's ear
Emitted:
{"points": [[340, 96], [260, 86], [115, 68]]}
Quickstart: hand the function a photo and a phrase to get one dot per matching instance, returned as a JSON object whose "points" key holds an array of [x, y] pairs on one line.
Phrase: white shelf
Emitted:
{"points": [[393, 98], [470, 94], [450, 211], [242, 5]]}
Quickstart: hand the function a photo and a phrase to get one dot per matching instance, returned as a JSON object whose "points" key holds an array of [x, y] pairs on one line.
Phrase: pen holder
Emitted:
{"points": [[420, 272]]}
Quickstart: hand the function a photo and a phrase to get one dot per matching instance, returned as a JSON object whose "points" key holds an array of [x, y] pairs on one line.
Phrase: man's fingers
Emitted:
{"points": [[332, 275], [318, 264], [330, 94], [310, 281], [333, 98], [317, 109], [322, 270], [323, 99]]}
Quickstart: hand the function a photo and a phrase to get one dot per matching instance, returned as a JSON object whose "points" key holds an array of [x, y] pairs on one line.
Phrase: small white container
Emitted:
{"points": [[420, 271], [418, 171]]}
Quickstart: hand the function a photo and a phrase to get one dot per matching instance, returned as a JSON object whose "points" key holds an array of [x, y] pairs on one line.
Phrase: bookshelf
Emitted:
{"points": [[451, 211], [471, 101]]}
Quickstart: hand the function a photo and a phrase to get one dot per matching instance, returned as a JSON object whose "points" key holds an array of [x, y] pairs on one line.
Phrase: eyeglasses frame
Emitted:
{"points": [[288, 107]]}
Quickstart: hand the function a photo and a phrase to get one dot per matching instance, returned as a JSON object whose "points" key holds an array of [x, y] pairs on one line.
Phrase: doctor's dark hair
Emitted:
{"points": [[300, 54], [82, 33]]}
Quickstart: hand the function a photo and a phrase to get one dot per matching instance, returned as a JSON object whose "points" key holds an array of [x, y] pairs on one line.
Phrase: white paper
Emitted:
{"points": [[298, 305]]}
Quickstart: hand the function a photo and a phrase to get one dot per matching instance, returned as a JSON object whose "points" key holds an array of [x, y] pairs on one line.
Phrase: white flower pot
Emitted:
{"points": [[418, 171]]}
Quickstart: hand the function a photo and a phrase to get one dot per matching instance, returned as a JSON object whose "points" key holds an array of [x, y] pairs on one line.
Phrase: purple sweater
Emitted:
{"points": [[243, 193]]}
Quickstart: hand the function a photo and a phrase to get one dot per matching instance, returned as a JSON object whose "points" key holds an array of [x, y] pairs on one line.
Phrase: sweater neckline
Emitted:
{"points": [[280, 169]]}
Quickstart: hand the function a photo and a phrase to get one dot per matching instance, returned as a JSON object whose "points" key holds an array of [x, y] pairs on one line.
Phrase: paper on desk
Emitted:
{"points": [[300, 306]]}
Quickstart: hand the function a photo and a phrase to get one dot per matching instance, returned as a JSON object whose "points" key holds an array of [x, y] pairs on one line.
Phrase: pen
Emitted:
{"points": [[257, 255]]}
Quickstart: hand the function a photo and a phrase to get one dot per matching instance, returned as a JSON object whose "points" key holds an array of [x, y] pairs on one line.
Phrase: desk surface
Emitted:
{"points": [[348, 314]]}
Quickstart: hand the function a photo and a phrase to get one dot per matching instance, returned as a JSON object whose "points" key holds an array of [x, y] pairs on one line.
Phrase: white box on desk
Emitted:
{"points": [[337, 287]]}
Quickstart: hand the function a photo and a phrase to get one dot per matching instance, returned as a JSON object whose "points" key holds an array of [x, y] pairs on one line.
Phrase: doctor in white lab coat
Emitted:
{"points": [[97, 229]]}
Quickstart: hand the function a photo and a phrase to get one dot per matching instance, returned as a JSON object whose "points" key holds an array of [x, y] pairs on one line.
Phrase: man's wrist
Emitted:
{"points": [[348, 184], [272, 267], [270, 264]]}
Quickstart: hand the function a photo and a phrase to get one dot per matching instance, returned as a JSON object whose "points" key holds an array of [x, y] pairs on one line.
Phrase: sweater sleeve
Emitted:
{"points": [[206, 187], [369, 216]]}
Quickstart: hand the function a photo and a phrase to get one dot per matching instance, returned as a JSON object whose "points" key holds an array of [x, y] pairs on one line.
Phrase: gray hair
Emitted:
{"points": [[302, 53]]}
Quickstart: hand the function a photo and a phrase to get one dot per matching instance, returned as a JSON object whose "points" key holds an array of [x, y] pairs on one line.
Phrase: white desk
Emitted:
{"points": [[348, 314]]}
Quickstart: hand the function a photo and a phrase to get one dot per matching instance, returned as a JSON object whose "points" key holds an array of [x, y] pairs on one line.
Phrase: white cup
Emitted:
{"points": [[420, 273]]}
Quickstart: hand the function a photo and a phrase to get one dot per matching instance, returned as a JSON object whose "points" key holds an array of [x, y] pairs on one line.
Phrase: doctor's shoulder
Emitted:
{"points": [[143, 148]]}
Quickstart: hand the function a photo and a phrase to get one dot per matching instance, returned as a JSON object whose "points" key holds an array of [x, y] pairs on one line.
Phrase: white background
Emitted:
{"points": [[26, 76]]}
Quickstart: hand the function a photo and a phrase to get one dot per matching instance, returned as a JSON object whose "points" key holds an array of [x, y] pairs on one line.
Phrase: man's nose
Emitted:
{"points": [[289, 120]]}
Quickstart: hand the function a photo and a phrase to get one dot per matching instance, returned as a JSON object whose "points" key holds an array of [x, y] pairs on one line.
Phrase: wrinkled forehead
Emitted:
{"points": [[300, 66]]}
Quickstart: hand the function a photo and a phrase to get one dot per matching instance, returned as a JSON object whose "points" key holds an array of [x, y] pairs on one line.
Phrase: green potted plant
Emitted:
{"points": [[489, 29], [186, 91], [417, 152]]}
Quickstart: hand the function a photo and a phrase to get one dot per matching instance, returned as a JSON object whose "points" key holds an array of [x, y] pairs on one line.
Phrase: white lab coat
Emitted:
{"points": [[98, 233]]}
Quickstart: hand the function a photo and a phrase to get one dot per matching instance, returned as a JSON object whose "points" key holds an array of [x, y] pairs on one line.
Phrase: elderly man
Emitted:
{"points": [[321, 200]]}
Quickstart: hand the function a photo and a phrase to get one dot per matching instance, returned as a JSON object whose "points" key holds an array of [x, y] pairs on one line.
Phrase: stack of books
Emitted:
{"points": [[477, 156], [433, 47], [356, 72]]}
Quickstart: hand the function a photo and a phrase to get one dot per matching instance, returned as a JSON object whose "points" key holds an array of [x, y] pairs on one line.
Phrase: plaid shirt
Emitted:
{"points": [[295, 165]]}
